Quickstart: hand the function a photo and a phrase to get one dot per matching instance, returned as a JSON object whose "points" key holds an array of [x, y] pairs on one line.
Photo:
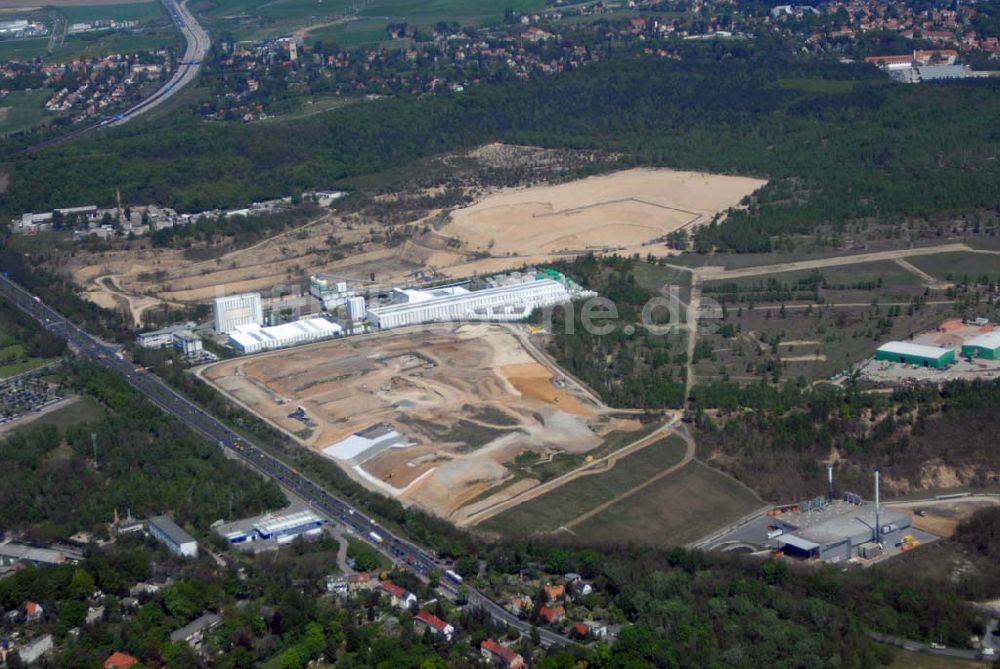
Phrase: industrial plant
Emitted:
{"points": [[511, 297], [830, 528]]}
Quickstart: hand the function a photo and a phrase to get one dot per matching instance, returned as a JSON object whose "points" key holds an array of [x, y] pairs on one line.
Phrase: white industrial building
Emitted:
{"points": [[356, 308], [165, 530], [271, 530], [254, 338], [232, 311], [180, 337], [503, 303]]}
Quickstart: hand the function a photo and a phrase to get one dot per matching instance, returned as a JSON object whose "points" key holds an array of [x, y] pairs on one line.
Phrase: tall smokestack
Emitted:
{"points": [[829, 478], [878, 525]]}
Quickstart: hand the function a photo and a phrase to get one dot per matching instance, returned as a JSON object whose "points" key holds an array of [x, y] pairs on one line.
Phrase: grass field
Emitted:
{"points": [[255, 19], [102, 43], [24, 109], [139, 11], [954, 266], [676, 510], [16, 362], [84, 410], [548, 512], [23, 49], [906, 659]]}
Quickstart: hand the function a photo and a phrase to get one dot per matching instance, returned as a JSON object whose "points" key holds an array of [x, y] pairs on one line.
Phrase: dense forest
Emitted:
{"points": [[51, 485], [852, 147]]}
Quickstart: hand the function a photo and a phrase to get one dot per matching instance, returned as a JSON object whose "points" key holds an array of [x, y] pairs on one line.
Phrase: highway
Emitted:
{"points": [[402, 552], [196, 48]]}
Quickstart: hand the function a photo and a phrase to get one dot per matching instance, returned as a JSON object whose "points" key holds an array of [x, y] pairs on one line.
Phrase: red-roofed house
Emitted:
{"points": [[581, 630], [360, 581], [554, 592], [33, 611], [119, 660], [426, 619], [503, 656], [398, 596], [552, 615]]}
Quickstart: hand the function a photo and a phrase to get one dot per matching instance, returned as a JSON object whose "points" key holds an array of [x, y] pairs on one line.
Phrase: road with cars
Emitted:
{"points": [[197, 43], [404, 553]]}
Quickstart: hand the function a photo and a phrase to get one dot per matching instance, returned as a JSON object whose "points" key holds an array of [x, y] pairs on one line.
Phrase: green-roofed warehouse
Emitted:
{"points": [[915, 354], [985, 346]]}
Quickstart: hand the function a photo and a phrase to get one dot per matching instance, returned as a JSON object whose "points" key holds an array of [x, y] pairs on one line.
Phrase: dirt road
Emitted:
{"points": [[713, 273]]}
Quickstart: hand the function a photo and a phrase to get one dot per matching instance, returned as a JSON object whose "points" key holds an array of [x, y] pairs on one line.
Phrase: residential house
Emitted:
{"points": [[361, 581], [398, 597], [33, 611], [552, 614], [581, 630], [520, 604], [501, 655], [554, 593], [119, 660], [426, 620]]}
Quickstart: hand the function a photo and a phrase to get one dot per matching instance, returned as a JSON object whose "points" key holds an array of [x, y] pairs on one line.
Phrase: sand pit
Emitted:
{"points": [[621, 210], [432, 415]]}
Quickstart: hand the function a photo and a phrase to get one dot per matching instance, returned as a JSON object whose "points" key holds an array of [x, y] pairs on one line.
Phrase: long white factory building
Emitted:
{"points": [[502, 303], [253, 338]]}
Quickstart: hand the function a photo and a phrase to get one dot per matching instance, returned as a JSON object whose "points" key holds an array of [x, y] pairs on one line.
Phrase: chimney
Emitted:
{"points": [[878, 525]]}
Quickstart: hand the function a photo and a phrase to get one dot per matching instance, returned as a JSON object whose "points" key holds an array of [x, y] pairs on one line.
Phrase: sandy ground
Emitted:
{"points": [[943, 516], [623, 209], [620, 212], [469, 398]]}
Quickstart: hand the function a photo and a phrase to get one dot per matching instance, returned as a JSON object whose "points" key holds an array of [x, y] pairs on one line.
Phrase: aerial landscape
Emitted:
{"points": [[616, 334]]}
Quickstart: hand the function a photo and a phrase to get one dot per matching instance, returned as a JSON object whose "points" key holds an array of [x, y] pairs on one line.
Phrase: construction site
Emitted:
{"points": [[431, 415]]}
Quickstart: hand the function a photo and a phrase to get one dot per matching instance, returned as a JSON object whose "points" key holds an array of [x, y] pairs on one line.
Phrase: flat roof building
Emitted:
{"points": [[836, 531], [915, 354], [272, 530], [503, 303], [985, 346], [165, 530], [252, 338], [233, 311]]}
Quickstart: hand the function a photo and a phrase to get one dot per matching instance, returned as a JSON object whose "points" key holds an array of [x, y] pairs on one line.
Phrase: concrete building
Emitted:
{"points": [[251, 338], [838, 530], [194, 632], [13, 552], [272, 530], [915, 354], [985, 346], [180, 337], [233, 311], [503, 303], [170, 533], [32, 651], [356, 308]]}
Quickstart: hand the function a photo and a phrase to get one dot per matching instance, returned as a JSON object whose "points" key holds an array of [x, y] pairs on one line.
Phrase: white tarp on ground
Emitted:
{"points": [[365, 444]]}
